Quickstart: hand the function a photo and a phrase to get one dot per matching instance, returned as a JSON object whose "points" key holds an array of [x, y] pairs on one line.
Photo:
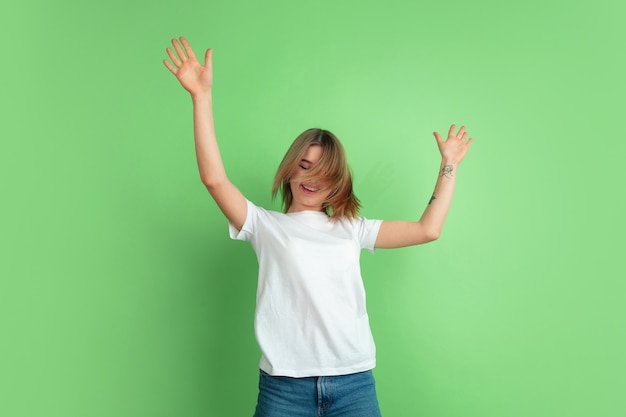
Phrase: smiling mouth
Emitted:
{"points": [[309, 188]]}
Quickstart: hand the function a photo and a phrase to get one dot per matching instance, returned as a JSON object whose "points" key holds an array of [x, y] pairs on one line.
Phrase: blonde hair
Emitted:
{"points": [[332, 167]]}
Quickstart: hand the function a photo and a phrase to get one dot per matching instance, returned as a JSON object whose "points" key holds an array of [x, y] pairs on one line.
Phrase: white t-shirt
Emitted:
{"points": [[310, 315]]}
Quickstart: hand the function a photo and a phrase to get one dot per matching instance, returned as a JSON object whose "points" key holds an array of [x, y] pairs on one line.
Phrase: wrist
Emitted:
{"points": [[448, 168], [201, 97], [449, 162]]}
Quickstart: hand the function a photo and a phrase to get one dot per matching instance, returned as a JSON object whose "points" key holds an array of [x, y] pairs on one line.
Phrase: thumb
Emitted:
{"points": [[207, 57]]}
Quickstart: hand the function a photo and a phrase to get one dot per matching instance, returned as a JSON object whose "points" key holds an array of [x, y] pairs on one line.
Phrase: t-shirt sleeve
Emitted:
{"points": [[249, 224], [368, 232]]}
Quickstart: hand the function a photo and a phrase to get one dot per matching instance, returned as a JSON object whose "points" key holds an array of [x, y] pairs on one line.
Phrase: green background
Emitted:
{"points": [[122, 295]]}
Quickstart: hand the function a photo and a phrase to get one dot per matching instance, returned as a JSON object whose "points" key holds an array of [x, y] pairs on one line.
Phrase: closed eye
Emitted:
{"points": [[305, 164]]}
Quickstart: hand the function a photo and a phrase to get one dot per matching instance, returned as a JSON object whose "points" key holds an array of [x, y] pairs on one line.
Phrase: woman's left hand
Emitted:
{"points": [[455, 147]]}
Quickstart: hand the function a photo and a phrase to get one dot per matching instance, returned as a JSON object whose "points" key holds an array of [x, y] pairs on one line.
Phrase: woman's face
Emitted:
{"points": [[307, 195]]}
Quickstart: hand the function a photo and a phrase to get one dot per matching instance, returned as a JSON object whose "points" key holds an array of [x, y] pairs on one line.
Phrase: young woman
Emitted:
{"points": [[310, 321]]}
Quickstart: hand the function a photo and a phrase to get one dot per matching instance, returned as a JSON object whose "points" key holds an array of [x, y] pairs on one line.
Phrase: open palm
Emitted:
{"points": [[194, 77], [455, 146]]}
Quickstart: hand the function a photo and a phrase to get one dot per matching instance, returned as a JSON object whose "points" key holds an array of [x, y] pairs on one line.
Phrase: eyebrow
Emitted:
{"points": [[306, 160]]}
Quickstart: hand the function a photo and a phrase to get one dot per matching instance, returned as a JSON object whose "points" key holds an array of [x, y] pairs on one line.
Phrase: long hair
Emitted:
{"points": [[332, 168]]}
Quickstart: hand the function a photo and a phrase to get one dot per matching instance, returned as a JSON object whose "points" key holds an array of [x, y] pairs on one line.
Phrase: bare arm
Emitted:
{"points": [[198, 81], [396, 233]]}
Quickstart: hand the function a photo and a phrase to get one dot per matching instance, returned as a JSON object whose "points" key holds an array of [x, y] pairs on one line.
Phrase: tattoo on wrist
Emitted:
{"points": [[446, 171], [431, 199]]}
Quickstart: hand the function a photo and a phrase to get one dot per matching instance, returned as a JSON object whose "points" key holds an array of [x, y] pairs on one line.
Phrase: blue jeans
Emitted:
{"points": [[351, 395]]}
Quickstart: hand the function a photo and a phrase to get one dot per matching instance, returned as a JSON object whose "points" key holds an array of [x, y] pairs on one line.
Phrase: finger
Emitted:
{"points": [[179, 50], [463, 137], [188, 48], [169, 66], [208, 58], [438, 137], [451, 131], [461, 132], [173, 57]]}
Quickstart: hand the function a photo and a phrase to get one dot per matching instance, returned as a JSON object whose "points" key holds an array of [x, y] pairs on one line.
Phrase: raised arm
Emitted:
{"points": [[396, 233], [198, 81]]}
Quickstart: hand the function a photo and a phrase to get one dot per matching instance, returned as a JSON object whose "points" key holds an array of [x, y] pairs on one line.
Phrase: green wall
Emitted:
{"points": [[122, 295]]}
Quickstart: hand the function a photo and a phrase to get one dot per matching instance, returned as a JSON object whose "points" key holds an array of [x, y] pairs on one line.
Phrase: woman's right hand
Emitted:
{"points": [[194, 77]]}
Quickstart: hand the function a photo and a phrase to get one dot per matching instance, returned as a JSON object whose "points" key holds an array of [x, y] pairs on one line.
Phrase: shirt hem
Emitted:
{"points": [[303, 373]]}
